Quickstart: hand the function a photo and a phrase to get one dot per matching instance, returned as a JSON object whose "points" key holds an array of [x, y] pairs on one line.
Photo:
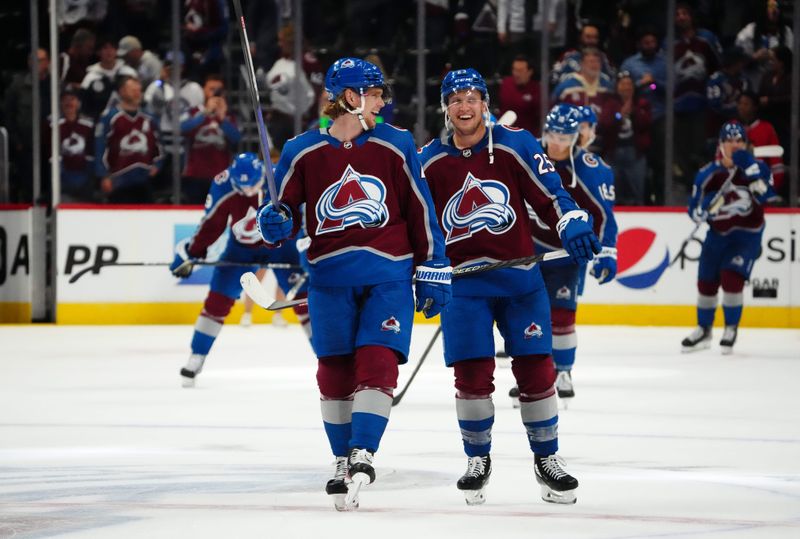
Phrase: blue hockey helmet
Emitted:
{"points": [[463, 79], [246, 172], [563, 119], [588, 115], [732, 131], [355, 74]]}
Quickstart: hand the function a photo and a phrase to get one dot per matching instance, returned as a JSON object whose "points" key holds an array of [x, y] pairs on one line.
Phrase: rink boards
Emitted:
{"points": [[648, 290]]}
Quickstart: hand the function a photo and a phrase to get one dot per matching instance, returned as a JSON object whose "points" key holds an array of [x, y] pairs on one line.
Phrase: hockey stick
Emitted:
{"points": [[255, 101], [219, 263], [256, 291], [399, 396], [508, 118], [258, 294]]}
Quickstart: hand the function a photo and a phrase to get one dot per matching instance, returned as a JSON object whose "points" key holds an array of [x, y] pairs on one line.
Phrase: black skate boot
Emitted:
{"points": [[475, 479], [514, 394], [699, 339], [728, 339], [501, 354], [564, 385], [337, 487], [192, 369], [557, 485], [361, 473]]}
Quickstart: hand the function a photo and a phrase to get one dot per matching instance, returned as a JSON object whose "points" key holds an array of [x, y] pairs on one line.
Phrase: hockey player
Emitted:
{"points": [[729, 195], [587, 130], [370, 218], [591, 183], [233, 197], [480, 178]]}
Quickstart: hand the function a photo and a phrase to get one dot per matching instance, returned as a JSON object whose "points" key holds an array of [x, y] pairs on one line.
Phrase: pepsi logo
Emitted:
{"points": [[642, 257]]}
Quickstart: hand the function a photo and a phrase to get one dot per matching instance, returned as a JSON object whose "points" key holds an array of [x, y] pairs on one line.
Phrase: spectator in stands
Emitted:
{"points": [[520, 92], [696, 57], [761, 134], [758, 37], [147, 65], [17, 115], [723, 90], [570, 61], [648, 69], [127, 149], [76, 59], [629, 159], [205, 27], [97, 87], [775, 93], [211, 138], [590, 86], [76, 136]]}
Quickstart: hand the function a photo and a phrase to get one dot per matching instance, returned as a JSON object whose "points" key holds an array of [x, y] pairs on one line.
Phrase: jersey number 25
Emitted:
{"points": [[545, 165]]}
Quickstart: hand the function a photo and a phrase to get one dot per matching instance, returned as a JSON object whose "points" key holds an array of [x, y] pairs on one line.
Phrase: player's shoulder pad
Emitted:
{"points": [[300, 142], [396, 136], [520, 140], [429, 151], [220, 186]]}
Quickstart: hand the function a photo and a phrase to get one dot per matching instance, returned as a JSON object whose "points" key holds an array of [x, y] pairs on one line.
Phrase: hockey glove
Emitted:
{"points": [[745, 161], [605, 265], [433, 290], [274, 224], [577, 236], [302, 250], [183, 264]]}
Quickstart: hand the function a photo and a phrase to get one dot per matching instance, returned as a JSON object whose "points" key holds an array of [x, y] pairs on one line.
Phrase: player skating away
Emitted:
{"points": [[590, 182], [370, 219], [729, 195], [233, 198], [480, 178]]}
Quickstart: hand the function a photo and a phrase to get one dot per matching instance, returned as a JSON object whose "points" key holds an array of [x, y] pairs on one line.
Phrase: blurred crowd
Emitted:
{"points": [[115, 118]]}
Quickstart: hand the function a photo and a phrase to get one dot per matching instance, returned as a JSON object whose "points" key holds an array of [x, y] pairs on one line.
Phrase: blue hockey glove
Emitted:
{"points": [[577, 236], [302, 250], [274, 224], [605, 265], [697, 214], [745, 161], [433, 290], [183, 264]]}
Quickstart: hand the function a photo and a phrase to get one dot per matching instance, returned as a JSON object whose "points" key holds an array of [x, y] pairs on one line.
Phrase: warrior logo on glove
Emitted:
{"points": [[479, 205], [356, 199]]}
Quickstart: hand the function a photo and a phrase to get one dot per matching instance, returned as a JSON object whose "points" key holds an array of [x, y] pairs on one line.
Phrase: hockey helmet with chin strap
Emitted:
{"points": [[356, 74], [732, 131], [462, 79], [588, 115], [246, 172], [564, 119]]}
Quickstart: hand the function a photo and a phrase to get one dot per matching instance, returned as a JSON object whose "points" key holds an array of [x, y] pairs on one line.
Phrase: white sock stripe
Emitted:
{"points": [[336, 412], [539, 410], [483, 437], [372, 401], [706, 302], [732, 299], [474, 409], [207, 326], [565, 342]]}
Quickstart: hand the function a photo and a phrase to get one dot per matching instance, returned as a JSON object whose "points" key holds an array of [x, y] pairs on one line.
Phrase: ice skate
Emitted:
{"points": [[361, 474], [564, 386], [501, 354], [728, 340], [557, 485], [337, 487], [246, 320], [514, 394], [699, 339], [192, 369], [278, 320], [473, 482]]}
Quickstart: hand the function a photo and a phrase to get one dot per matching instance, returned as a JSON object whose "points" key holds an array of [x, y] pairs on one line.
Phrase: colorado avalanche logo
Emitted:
{"points": [[73, 145], [133, 143], [738, 201], [480, 204], [534, 330], [245, 229], [391, 324], [356, 199]]}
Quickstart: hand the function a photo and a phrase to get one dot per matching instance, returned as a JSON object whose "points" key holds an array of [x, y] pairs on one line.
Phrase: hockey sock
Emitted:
{"points": [[474, 406], [209, 323], [732, 297], [706, 302], [536, 376], [302, 315], [376, 378], [336, 381], [565, 340]]}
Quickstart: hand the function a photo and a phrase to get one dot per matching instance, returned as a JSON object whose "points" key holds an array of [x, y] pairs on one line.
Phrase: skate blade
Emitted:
{"points": [[187, 382], [565, 402], [340, 503], [726, 350], [566, 497], [705, 345], [475, 497], [351, 499], [515, 403]]}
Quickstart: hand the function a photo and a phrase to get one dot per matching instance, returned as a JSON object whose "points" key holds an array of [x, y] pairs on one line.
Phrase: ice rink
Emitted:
{"points": [[99, 440]]}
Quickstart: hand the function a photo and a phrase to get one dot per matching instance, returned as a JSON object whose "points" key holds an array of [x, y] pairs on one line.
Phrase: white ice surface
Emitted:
{"points": [[99, 440]]}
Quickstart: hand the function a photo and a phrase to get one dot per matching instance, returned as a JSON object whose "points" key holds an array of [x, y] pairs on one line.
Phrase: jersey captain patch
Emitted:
{"points": [[478, 205], [356, 199]]}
